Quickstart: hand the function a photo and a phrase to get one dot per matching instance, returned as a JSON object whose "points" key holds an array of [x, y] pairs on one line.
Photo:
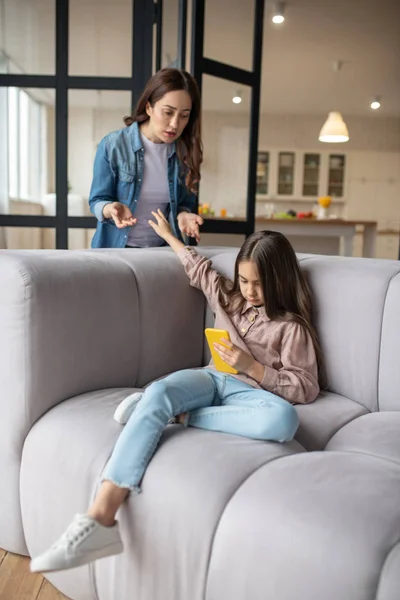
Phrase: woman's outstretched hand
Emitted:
{"points": [[189, 224], [120, 214]]}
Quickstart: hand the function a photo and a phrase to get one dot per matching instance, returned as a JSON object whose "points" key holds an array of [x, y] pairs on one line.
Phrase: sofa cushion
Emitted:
{"points": [[63, 456], [349, 300], [167, 530], [321, 419], [389, 375], [315, 526], [377, 434], [389, 585], [171, 314]]}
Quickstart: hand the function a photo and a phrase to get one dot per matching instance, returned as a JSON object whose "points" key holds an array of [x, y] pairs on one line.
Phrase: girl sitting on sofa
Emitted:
{"points": [[274, 349]]}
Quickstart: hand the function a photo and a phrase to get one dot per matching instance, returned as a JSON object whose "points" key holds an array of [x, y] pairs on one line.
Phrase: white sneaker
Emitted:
{"points": [[85, 540], [126, 408]]}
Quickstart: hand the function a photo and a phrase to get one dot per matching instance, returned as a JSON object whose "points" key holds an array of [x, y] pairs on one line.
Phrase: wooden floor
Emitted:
{"points": [[18, 583]]}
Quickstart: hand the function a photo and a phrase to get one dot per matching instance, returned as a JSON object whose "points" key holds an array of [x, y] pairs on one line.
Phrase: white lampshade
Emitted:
{"points": [[334, 129]]}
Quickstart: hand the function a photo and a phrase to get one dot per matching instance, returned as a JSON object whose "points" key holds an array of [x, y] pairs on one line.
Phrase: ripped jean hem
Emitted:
{"points": [[127, 486]]}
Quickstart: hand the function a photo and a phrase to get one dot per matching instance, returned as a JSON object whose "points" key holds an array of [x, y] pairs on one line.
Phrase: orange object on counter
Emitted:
{"points": [[223, 212], [325, 201]]}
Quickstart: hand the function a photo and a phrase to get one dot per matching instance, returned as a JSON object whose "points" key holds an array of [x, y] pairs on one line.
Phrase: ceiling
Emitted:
{"points": [[298, 56]]}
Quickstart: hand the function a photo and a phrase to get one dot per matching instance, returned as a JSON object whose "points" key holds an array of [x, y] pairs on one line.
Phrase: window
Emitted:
{"points": [[262, 172], [27, 146], [311, 174], [286, 173], [13, 165], [337, 164]]}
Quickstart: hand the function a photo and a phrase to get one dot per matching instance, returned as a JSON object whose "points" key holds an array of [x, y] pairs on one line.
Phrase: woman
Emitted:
{"points": [[152, 163]]}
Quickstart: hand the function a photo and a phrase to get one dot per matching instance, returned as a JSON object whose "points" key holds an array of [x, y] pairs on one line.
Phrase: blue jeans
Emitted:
{"points": [[215, 401]]}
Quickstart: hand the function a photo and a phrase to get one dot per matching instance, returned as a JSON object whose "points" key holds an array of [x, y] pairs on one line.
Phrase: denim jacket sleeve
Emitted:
{"points": [[186, 199], [103, 189]]}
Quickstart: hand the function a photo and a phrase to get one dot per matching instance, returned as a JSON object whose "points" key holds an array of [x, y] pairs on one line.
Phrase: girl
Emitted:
{"points": [[154, 162], [266, 310]]}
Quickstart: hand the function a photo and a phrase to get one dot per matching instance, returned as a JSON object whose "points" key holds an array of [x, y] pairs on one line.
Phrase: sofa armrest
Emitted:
{"points": [[67, 326]]}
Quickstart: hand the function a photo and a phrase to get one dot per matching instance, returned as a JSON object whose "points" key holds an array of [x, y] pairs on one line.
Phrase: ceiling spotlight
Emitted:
{"points": [[279, 13], [237, 98], [376, 103]]}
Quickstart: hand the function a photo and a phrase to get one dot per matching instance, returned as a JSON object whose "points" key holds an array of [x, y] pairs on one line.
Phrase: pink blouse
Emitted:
{"points": [[283, 347]]}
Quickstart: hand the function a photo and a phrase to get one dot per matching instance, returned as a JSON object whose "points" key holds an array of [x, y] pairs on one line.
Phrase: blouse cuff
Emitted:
{"points": [[270, 379]]}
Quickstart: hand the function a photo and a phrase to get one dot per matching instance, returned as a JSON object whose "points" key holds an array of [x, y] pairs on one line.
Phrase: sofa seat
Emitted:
{"points": [[320, 420], [376, 434], [188, 485], [322, 524]]}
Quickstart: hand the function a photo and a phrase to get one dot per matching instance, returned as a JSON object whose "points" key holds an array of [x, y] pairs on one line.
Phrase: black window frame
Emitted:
{"points": [[145, 14], [201, 65]]}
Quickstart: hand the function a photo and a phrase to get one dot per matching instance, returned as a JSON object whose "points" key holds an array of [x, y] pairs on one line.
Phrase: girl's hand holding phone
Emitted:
{"points": [[235, 357]]}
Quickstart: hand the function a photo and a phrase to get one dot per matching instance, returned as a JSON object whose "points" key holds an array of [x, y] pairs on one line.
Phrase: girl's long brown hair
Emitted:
{"points": [[189, 146], [285, 289]]}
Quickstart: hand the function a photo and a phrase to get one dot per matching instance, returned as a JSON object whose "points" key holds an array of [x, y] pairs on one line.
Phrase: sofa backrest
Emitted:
{"points": [[169, 331], [357, 316], [59, 309], [349, 308], [389, 363]]}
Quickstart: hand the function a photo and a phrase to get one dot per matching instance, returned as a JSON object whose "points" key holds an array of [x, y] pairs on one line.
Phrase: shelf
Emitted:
{"points": [[309, 173], [305, 200]]}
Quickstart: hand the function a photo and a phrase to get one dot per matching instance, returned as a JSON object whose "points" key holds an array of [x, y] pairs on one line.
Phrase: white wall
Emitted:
{"points": [[4, 200], [81, 150], [300, 132], [27, 35], [373, 188], [373, 154], [100, 36], [86, 128], [375, 133]]}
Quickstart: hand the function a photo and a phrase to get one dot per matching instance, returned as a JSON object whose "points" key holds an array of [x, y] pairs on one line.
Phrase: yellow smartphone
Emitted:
{"points": [[215, 335]]}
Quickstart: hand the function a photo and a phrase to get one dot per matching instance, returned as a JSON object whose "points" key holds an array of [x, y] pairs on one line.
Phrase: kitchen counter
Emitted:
{"points": [[319, 236], [331, 228]]}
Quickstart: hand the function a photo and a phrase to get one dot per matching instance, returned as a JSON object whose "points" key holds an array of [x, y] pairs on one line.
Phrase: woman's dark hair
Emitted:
{"points": [[189, 146], [285, 289]]}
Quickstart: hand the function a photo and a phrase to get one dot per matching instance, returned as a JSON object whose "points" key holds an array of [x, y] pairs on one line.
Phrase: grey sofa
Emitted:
{"points": [[220, 517]]}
